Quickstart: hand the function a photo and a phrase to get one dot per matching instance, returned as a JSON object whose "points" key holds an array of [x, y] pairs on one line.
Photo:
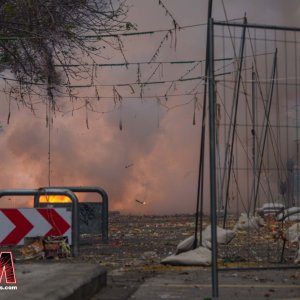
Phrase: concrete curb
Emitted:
{"points": [[56, 281]]}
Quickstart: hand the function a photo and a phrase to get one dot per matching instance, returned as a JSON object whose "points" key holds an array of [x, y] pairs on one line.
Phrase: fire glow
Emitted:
{"points": [[55, 199]]}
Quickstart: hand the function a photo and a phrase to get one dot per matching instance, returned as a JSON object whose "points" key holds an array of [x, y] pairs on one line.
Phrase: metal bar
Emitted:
{"points": [[264, 136], [91, 189], [51, 191], [253, 191], [202, 147], [258, 268], [261, 26], [212, 157], [235, 103]]}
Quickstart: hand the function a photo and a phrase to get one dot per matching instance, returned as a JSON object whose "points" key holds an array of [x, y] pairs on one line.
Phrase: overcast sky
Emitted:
{"points": [[154, 158]]}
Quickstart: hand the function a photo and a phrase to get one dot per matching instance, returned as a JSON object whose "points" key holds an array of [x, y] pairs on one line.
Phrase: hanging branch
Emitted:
{"points": [[121, 46], [195, 108], [121, 117], [97, 94], [9, 110], [168, 13], [158, 106], [164, 39], [138, 73], [118, 99], [86, 114]]}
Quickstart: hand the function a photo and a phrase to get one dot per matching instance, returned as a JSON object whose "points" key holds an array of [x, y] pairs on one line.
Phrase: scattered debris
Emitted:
{"points": [[140, 202], [45, 247], [128, 166], [35, 250], [143, 241], [56, 247]]}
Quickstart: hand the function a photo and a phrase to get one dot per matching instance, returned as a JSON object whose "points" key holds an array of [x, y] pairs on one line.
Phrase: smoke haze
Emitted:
{"points": [[154, 158]]}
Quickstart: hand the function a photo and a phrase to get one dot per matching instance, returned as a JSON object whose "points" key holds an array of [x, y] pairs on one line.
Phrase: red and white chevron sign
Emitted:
{"points": [[16, 224]]}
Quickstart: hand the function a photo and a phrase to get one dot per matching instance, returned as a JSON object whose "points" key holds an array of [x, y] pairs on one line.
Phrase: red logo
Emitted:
{"points": [[7, 268]]}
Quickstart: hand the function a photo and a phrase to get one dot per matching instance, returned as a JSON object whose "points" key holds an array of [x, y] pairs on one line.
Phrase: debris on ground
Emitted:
{"points": [[34, 250], [143, 241], [45, 247]]}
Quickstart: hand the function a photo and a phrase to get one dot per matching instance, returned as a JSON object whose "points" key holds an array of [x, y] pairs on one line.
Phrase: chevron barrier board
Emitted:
{"points": [[16, 224]]}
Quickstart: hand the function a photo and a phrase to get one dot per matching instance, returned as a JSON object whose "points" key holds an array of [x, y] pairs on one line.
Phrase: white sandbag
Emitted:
{"points": [[288, 212], [293, 218], [272, 205], [224, 236], [292, 234], [199, 257], [247, 223], [270, 209], [186, 244]]}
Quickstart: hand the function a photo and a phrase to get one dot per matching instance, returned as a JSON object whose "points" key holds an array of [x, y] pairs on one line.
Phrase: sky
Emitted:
{"points": [[144, 149]]}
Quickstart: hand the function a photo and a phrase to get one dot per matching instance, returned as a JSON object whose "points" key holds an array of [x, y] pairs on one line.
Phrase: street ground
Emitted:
{"points": [[138, 243]]}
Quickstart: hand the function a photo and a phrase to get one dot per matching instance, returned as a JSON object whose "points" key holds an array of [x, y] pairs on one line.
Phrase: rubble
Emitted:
{"points": [[44, 247]]}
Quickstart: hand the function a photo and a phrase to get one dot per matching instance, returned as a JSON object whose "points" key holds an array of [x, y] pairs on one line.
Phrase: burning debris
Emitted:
{"points": [[128, 166], [140, 202]]}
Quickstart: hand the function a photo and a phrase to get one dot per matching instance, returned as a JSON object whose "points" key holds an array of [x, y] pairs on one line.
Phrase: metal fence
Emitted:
{"points": [[254, 134]]}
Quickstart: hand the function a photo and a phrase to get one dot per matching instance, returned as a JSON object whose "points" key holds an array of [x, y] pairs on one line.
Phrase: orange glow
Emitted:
{"points": [[55, 199]]}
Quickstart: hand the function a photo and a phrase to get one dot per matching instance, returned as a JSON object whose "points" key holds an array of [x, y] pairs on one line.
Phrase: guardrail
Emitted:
{"points": [[88, 189], [52, 192]]}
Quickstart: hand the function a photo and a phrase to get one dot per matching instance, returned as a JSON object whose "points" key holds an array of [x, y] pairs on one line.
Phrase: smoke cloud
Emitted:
{"points": [[154, 158]]}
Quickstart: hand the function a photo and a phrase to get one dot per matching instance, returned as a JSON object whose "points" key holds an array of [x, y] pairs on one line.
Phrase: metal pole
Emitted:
{"points": [[202, 147], [253, 137], [212, 156], [266, 128], [257, 26], [51, 191], [235, 103]]}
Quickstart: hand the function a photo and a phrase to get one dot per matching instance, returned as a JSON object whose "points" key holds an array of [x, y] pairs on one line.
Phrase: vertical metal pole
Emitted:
{"points": [[253, 136], [262, 143], [199, 207], [212, 157], [235, 106]]}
